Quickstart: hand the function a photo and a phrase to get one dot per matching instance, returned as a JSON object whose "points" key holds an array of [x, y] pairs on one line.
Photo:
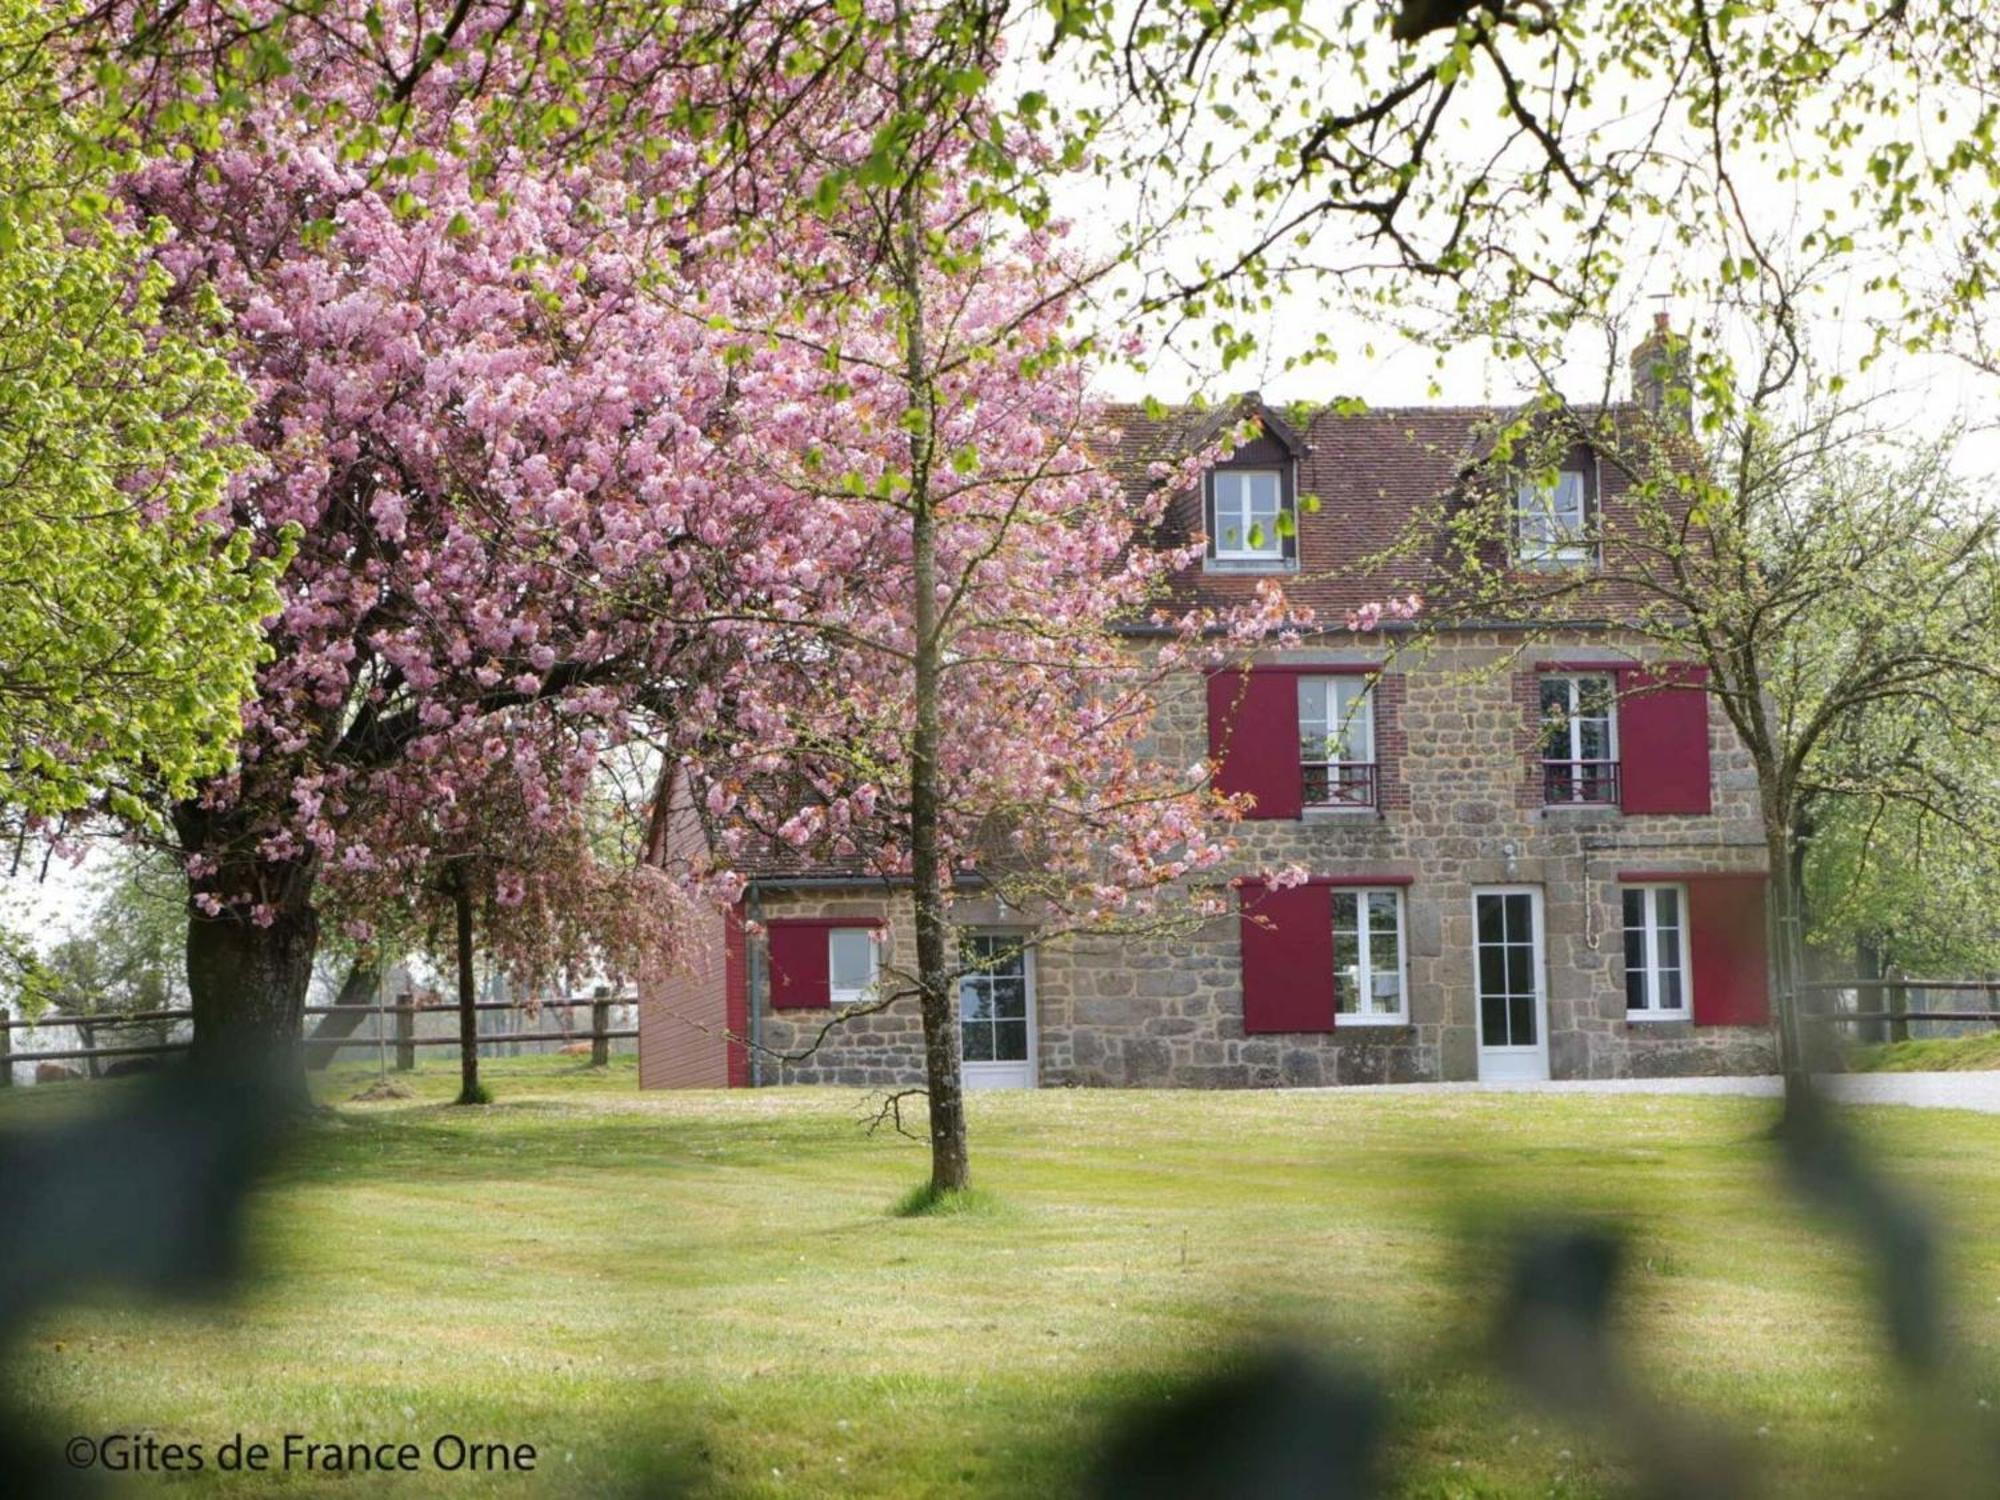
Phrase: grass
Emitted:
{"points": [[740, 1295], [1930, 1054]]}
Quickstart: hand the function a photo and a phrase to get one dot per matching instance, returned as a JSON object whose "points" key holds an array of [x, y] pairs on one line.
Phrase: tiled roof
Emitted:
{"points": [[1376, 473]]}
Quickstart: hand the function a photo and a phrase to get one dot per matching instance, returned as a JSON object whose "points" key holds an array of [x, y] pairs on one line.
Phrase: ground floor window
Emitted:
{"points": [[1368, 955], [1656, 952], [850, 965], [993, 999]]}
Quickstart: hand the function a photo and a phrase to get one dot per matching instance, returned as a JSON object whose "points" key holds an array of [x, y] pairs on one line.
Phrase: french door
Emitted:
{"points": [[1511, 1003], [996, 1012]]}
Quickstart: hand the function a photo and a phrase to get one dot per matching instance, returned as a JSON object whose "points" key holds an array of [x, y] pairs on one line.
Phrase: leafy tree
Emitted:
{"points": [[1839, 589], [491, 403], [964, 718], [128, 612]]}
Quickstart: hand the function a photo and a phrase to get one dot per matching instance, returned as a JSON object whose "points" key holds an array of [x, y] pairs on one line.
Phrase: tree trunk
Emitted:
{"points": [[468, 1018], [943, 1076], [1795, 1046], [247, 987], [357, 990]]}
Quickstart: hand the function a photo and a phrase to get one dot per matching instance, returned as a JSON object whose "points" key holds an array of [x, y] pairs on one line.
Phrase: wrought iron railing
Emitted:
{"points": [[1335, 783], [1587, 782]]}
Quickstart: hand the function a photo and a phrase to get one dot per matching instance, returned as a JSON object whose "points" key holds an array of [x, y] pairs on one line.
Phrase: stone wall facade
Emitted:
{"points": [[1459, 809]]}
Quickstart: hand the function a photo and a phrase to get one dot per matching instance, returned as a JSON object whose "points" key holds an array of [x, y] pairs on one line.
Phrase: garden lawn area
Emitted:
{"points": [[1957, 1054], [709, 1294]]}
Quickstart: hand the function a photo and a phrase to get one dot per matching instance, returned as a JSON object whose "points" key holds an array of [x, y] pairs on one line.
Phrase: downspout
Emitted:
{"points": [[753, 981]]}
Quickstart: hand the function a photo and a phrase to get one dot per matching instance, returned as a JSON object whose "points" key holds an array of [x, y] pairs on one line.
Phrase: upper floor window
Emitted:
{"points": [[1656, 952], [1251, 516], [1337, 741], [1579, 739], [1555, 523], [850, 965]]}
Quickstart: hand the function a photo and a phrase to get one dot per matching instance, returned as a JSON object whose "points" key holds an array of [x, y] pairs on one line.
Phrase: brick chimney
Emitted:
{"points": [[1662, 367]]}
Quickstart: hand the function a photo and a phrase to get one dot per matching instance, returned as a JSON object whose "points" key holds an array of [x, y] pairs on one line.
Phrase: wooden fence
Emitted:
{"points": [[404, 1043], [1891, 1009]]}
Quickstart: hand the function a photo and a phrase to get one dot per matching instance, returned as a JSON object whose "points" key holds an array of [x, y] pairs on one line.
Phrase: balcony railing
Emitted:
{"points": [[1568, 783], [1331, 783]]}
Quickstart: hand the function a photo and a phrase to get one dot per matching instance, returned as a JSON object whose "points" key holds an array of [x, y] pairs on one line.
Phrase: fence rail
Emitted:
{"points": [[600, 1034], [1898, 1017]]}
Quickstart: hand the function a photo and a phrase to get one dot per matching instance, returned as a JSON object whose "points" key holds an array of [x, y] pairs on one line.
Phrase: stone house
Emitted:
{"points": [[1534, 851]]}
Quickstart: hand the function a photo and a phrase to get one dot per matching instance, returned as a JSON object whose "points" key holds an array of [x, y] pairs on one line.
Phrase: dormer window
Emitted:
{"points": [[1248, 503], [1555, 517]]}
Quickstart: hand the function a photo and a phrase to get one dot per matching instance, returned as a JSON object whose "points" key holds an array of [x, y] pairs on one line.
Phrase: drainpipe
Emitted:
{"points": [[753, 982]]}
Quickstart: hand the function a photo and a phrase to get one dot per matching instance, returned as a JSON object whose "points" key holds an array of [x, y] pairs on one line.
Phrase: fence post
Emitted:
{"points": [[406, 1032], [600, 1022], [1899, 1007], [6, 1046]]}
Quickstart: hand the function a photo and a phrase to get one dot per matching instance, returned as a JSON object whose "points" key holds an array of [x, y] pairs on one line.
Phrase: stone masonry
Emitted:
{"points": [[1455, 729]]}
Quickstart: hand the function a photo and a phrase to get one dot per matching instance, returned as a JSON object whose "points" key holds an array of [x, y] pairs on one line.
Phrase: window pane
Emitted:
{"points": [[1520, 969], [1667, 902], [1520, 920], [1263, 497], [1521, 1015], [850, 959], [1670, 990], [1635, 981], [1010, 997], [1492, 971], [1312, 708], [1567, 501], [1230, 524], [1492, 923], [1346, 969], [1635, 907], [1635, 967], [978, 1041], [1010, 1041], [975, 999], [1555, 702], [1493, 1020]]}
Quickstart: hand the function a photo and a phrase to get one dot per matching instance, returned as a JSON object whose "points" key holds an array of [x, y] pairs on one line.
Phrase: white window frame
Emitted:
{"points": [[1273, 548], [1560, 544], [837, 995], [1355, 725], [1652, 971], [1573, 731], [1365, 962]]}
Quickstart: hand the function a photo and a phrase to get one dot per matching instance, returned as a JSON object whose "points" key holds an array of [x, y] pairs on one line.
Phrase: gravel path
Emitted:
{"points": [[1974, 1091]]}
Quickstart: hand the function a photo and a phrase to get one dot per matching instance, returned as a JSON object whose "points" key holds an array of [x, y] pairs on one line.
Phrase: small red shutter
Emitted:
{"points": [[1253, 735], [798, 966], [1287, 958], [1730, 955], [1663, 740]]}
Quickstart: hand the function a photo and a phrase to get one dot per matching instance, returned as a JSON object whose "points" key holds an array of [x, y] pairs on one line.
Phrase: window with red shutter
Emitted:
{"points": [[798, 966], [1287, 938], [1728, 945], [1726, 930], [800, 959], [1663, 740], [1253, 736]]}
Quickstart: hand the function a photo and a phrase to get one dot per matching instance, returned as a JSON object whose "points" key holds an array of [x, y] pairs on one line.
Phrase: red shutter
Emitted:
{"points": [[1663, 740], [1253, 735], [798, 966], [1287, 958], [1731, 959]]}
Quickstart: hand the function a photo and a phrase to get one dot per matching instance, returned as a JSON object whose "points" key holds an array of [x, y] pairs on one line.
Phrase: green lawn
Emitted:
{"points": [[1931, 1054], [709, 1290]]}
